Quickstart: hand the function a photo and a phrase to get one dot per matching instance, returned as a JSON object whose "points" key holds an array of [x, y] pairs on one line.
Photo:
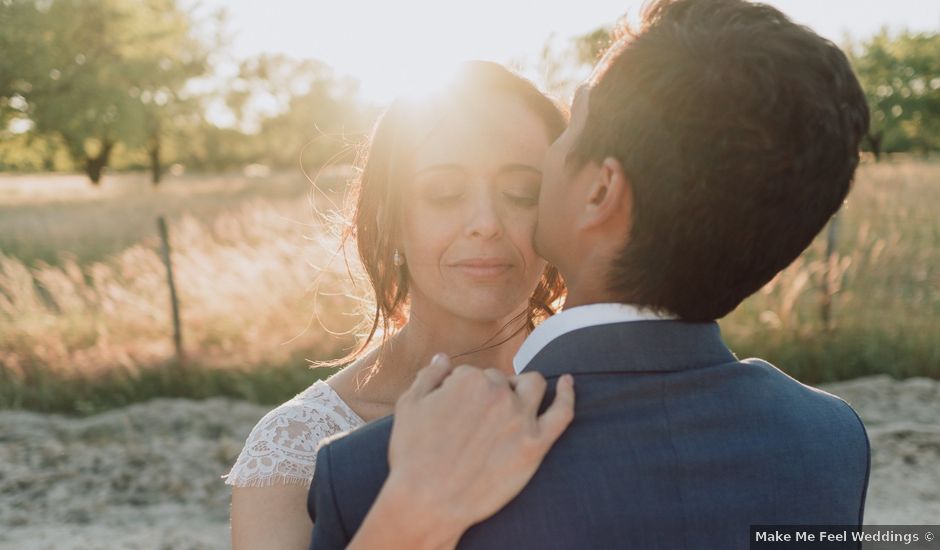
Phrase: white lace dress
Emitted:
{"points": [[282, 447]]}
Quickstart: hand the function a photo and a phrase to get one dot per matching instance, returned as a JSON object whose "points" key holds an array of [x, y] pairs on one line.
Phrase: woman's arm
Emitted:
{"points": [[270, 517], [270, 481], [464, 442]]}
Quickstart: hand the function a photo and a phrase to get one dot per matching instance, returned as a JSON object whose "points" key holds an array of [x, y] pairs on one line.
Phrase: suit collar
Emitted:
{"points": [[637, 346], [576, 318]]}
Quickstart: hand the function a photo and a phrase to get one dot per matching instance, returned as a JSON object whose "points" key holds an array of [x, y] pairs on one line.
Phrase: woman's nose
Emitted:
{"points": [[485, 221]]}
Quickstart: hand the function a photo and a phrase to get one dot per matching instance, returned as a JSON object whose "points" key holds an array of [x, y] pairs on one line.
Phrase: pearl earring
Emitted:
{"points": [[398, 259]]}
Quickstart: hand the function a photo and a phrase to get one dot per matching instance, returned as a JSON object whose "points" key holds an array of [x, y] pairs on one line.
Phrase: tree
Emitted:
{"points": [[559, 67], [591, 45], [99, 72], [901, 79], [290, 106]]}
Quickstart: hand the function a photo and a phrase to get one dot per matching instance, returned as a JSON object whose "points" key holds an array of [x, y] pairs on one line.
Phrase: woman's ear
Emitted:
{"points": [[609, 197]]}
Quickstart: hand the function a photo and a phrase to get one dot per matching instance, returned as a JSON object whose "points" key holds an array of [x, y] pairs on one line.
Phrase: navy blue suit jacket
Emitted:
{"points": [[675, 444]]}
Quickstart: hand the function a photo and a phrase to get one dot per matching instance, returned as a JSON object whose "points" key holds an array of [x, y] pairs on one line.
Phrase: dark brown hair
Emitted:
{"points": [[374, 201], [739, 132]]}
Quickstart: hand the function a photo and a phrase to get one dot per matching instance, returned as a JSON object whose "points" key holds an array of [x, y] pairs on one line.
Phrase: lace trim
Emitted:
{"points": [[282, 447], [270, 481]]}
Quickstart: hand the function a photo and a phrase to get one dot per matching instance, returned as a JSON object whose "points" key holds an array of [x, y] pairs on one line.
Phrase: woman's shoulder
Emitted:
{"points": [[282, 447]]}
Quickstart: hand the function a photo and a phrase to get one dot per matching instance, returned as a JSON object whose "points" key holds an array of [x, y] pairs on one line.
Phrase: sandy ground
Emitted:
{"points": [[147, 476]]}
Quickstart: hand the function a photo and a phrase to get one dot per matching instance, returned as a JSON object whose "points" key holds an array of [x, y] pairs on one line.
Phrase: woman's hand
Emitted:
{"points": [[464, 442]]}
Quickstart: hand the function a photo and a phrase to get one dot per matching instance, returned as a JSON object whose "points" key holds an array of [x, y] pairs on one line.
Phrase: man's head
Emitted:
{"points": [[706, 151]]}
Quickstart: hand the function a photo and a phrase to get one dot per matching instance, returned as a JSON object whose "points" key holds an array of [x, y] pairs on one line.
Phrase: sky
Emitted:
{"points": [[392, 46]]}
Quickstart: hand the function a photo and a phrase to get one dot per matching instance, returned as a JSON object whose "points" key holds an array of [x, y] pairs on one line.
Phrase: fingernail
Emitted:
{"points": [[439, 359], [568, 379]]}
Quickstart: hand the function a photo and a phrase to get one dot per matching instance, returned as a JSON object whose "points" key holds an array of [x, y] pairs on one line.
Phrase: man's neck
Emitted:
{"points": [[578, 295], [587, 283]]}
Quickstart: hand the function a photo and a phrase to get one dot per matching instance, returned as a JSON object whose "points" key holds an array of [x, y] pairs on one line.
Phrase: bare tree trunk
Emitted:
{"points": [[156, 170], [828, 284], [48, 159], [874, 141], [94, 166]]}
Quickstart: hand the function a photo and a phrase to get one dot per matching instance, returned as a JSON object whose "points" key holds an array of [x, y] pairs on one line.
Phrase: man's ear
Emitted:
{"points": [[609, 196]]}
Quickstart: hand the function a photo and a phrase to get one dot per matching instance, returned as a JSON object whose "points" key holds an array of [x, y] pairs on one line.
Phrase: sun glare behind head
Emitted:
{"points": [[428, 82]]}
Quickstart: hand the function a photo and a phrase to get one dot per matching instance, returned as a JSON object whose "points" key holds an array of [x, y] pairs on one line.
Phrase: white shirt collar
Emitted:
{"points": [[576, 318]]}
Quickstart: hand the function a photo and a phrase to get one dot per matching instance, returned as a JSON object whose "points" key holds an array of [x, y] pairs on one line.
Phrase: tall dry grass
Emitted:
{"points": [[85, 316], [258, 279], [885, 279]]}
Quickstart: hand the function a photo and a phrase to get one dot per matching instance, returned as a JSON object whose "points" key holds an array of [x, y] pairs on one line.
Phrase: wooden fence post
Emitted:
{"points": [[174, 302], [831, 236]]}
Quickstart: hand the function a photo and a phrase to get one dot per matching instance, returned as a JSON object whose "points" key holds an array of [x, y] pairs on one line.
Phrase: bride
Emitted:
{"points": [[445, 210]]}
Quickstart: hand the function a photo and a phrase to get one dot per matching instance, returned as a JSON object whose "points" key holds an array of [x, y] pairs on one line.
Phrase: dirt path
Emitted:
{"points": [[147, 476]]}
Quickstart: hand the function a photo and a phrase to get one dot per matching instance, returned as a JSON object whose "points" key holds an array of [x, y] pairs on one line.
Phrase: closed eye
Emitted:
{"points": [[522, 200]]}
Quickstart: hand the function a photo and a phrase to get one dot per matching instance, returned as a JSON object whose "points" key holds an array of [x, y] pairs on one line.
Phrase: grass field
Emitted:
{"points": [[886, 278], [85, 321]]}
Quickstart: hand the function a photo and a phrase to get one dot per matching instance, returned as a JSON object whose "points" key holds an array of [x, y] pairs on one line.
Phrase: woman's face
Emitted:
{"points": [[470, 211]]}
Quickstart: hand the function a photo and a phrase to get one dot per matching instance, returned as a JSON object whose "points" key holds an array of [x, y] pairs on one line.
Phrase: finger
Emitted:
{"points": [[431, 376], [496, 377], [462, 373], [559, 414], [530, 387]]}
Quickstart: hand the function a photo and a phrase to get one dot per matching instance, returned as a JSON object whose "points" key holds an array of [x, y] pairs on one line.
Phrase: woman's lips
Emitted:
{"points": [[483, 269]]}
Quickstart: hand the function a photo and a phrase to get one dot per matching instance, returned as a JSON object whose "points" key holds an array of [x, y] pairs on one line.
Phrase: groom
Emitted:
{"points": [[704, 154]]}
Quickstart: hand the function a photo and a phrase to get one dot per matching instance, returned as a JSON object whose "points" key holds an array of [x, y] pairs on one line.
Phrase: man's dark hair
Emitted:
{"points": [[739, 131]]}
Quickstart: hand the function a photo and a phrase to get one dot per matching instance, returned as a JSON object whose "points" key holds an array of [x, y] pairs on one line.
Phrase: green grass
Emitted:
{"points": [[39, 388]]}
